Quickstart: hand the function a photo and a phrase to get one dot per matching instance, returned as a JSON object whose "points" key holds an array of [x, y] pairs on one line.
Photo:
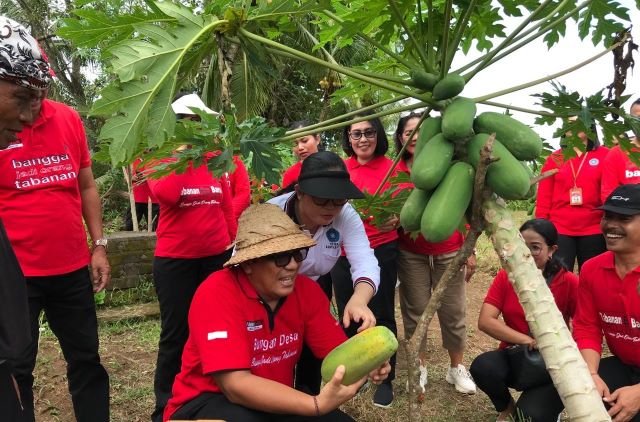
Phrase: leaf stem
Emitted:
{"points": [[336, 67], [550, 77], [289, 135], [459, 31], [371, 41], [521, 109], [408, 33], [445, 38], [430, 38]]}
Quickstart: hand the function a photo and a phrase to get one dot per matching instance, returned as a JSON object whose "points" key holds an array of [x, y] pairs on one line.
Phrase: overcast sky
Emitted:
{"points": [[536, 61]]}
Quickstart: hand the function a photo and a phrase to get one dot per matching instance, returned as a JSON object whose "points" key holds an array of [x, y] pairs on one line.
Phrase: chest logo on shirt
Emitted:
{"points": [[631, 173], [199, 196], [254, 325], [594, 162], [333, 235], [45, 170]]}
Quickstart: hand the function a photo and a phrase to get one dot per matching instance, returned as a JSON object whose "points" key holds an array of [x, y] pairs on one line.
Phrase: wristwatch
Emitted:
{"points": [[100, 242]]}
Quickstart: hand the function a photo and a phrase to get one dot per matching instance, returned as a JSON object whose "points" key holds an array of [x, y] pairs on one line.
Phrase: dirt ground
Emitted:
{"points": [[128, 351]]}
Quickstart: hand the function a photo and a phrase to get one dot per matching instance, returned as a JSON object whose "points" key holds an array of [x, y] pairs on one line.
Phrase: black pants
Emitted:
{"points": [[216, 406], [176, 281], [491, 373], [383, 303], [70, 309], [307, 374], [142, 211], [617, 374], [9, 402], [580, 247]]}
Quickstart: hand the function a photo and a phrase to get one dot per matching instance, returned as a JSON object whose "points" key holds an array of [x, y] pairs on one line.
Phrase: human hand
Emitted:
{"points": [[357, 310], [601, 386], [471, 267], [390, 224], [530, 343], [625, 403], [100, 269], [380, 374], [333, 394]]}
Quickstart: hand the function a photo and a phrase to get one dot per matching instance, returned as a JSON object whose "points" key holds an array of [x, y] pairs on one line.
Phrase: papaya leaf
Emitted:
{"points": [[259, 140], [596, 19], [268, 10], [147, 69], [378, 209]]}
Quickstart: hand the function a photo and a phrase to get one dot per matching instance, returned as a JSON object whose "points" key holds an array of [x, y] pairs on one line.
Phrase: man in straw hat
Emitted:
{"points": [[23, 74], [46, 191], [247, 325]]}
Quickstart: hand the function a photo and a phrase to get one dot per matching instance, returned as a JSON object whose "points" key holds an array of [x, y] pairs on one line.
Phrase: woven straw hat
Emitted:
{"points": [[265, 229]]}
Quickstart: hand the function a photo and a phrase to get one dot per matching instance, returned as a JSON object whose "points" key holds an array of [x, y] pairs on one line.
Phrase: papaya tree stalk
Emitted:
{"points": [[413, 345], [416, 42], [337, 68], [444, 53], [564, 362], [487, 58], [350, 122], [550, 77], [371, 41], [431, 42], [538, 33], [517, 108], [346, 115], [459, 31]]}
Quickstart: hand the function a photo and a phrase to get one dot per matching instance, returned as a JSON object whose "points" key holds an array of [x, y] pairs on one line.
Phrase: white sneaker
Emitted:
{"points": [[461, 379], [423, 379]]}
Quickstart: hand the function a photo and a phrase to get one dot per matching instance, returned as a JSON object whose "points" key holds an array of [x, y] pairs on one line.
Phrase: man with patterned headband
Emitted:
{"points": [[46, 190]]}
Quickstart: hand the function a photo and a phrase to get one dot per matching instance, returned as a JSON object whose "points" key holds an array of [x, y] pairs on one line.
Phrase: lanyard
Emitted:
{"points": [[575, 174]]}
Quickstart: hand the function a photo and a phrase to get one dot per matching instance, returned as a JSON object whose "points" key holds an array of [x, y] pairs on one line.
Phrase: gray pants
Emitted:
{"points": [[419, 276]]}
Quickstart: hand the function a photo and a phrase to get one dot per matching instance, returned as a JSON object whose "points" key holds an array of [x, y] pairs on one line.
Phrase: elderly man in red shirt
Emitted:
{"points": [[609, 305], [46, 190]]}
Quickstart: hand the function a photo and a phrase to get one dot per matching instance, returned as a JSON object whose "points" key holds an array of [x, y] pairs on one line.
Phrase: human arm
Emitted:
{"points": [[228, 209], [609, 180], [92, 214], [363, 262], [248, 390], [545, 188], [240, 188], [389, 225], [356, 308], [471, 265], [489, 323]]}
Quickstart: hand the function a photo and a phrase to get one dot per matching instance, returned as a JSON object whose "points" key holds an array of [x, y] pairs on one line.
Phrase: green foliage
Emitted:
{"points": [[379, 208]]}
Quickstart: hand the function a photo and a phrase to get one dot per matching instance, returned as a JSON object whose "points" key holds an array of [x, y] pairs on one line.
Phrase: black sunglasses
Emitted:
{"points": [[322, 202], [283, 259]]}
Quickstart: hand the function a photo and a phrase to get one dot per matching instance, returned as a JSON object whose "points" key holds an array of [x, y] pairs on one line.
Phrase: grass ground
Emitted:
{"points": [[128, 351]]}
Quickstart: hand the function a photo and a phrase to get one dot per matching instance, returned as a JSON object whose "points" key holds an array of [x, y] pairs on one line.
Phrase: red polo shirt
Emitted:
{"points": [[501, 294], [244, 334], [609, 306], [196, 214], [420, 245], [40, 200], [552, 201], [367, 177], [618, 170], [291, 174], [240, 188], [141, 191]]}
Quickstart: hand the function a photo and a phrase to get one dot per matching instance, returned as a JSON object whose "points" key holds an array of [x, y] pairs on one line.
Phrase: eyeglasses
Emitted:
{"points": [[357, 134], [322, 202], [535, 249], [283, 259]]}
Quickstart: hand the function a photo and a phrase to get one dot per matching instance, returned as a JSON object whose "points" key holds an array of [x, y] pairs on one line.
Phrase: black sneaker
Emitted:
{"points": [[383, 395]]}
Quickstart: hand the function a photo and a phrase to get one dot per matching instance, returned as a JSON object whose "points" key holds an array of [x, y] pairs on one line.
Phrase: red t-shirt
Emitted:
{"points": [[240, 188], [618, 170], [552, 201], [40, 200], [609, 306], [141, 191], [420, 245], [244, 334], [196, 214], [501, 294], [367, 177], [291, 174]]}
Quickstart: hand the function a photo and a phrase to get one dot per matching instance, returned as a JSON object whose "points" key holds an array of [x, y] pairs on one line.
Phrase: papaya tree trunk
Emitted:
{"points": [[128, 178], [568, 370]]}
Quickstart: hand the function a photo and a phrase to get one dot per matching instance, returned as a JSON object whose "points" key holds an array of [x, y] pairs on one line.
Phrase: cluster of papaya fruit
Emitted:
{"points": [[447, 153]]}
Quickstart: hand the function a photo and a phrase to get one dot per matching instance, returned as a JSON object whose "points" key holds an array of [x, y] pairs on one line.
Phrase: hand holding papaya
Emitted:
{"points": [[333, 394], [380, 374]]}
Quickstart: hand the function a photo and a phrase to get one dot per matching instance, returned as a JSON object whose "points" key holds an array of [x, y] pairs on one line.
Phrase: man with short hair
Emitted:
{"points": [[23, 74], [609, 305], [46, 189]]}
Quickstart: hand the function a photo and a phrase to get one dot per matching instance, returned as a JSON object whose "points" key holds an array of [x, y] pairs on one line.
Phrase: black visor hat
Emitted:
{"points": [[329, 185]]}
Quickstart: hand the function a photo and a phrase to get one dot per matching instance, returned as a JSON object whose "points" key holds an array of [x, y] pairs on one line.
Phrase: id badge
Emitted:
{"points": [[575, 196]]}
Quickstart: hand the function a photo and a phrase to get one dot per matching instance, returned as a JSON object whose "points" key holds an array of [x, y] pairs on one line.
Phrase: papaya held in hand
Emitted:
{"points": [[361, 354]]}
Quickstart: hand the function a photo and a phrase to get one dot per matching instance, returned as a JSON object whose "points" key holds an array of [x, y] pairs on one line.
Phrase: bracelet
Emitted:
{"points": [[315, 401]]}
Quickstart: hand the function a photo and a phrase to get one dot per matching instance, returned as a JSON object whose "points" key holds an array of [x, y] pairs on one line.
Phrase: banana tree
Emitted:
{"points": [[415, 42]]}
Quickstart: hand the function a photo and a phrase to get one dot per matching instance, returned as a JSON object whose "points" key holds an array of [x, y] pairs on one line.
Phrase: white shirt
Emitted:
{"points": [[347, 231]]}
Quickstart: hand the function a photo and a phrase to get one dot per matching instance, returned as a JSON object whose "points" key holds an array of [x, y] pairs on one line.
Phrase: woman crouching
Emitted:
{"points": [[247, 326]]}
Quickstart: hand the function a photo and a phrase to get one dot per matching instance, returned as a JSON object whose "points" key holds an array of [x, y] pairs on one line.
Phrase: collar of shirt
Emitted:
{"points": [[374, 163], [47, 111], [610, 263]]}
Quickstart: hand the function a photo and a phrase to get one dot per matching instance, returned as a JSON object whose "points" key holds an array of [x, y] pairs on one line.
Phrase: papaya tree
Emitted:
{"points": [[157, 51]]}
